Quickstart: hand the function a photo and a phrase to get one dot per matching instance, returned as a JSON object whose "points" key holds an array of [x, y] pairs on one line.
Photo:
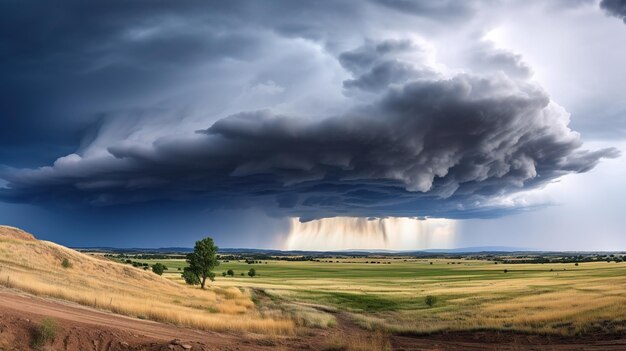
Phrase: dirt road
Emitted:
{"points": [[82, 328]]}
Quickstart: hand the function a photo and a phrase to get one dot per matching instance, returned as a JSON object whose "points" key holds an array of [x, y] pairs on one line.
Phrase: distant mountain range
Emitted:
{"points": [[170, 250]]}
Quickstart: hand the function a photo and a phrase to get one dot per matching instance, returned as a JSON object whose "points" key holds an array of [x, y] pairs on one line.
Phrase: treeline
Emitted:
{"points": [[257, 258], [145, 256], [565, 259]]}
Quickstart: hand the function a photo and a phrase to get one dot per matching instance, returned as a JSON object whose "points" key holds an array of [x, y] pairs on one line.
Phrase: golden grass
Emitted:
{"points": [[376, 341], [560, 299], [35, 267]]}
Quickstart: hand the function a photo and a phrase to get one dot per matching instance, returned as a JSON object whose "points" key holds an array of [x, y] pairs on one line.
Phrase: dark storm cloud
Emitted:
{"points": [[615, 8], [63, 66], [424, 145], [434, 10], [439, 147]]}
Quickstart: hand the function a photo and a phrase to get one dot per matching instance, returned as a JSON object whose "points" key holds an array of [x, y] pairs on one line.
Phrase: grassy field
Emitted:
{"points": [[37, 267], [389, 296], [471, 295]]}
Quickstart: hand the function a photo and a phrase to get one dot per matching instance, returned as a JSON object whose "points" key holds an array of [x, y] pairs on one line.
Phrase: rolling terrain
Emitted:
{"points": [[341, 304]]}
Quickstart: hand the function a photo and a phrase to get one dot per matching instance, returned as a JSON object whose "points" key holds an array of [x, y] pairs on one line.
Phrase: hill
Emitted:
{"points": [[15, 233], [35, 266]]}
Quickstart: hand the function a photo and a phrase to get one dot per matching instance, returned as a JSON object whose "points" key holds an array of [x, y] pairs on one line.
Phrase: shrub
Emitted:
{"points": [[46, 333], [252, 272], [430, 300], [506, 271], [242, 274], [158, 268], [223, 274], [576, 264], [230, 272], [66, 263]]}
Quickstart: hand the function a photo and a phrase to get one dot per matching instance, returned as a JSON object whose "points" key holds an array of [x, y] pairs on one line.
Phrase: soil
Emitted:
{"points": [[81, 328]]}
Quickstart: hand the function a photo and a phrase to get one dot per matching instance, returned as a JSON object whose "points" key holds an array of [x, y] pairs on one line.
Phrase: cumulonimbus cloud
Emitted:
{"points": [[428, 145], [615, 8]]}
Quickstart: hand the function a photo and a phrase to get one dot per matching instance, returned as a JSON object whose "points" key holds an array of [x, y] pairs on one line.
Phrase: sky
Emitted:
{"points": [[379, 124]]}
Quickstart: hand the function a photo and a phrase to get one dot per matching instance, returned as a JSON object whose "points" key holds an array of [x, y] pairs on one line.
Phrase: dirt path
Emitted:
{"points": [[82, 328]]}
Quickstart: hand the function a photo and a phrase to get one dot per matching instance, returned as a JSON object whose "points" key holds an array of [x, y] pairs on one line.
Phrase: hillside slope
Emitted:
{"points": [[35, 266]]}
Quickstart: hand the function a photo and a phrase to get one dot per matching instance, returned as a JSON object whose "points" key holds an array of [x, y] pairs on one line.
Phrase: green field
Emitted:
{"points": [[547, 298]]}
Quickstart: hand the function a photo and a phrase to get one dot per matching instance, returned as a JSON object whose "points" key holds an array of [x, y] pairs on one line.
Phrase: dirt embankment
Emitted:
{"points": [[82, 328]]}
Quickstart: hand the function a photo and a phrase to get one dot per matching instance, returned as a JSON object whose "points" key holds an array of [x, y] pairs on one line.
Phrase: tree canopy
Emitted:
{"points": [[201, 262]]}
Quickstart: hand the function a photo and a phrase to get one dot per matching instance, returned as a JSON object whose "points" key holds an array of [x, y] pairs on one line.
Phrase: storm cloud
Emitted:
{"points": [[615, 8], [428, 146], [280, 106]]}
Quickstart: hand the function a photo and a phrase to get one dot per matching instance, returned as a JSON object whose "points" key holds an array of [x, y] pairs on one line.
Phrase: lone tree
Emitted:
{"points": [[252, 272], [159, 268], [201, 262]]}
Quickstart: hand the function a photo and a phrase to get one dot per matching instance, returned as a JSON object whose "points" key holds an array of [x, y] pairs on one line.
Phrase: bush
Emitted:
{"points": [[66, 263], [506, 271], [46, 333], [252, 272], [230, 272], [158, 268], [576, 264], [430, 300]]}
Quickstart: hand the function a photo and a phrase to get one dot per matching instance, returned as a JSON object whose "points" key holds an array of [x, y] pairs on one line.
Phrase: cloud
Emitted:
{"points": [[616, 8], [486, 58], [440, 10], [376, 66], [428, 145]]}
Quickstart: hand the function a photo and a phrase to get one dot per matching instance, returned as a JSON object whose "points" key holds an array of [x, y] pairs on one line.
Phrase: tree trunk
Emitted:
{"points": [[203, 281]]}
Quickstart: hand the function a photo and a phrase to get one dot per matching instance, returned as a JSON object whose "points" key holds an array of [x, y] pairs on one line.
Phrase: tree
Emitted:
{"points": [[190, 277], [158, 268], [252, 272], [201, 262], [230, 272]]}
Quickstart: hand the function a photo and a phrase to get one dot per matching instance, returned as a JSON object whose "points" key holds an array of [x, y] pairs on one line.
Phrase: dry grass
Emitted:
{"points": [[377, 341], [35, 267], [558, 299]]}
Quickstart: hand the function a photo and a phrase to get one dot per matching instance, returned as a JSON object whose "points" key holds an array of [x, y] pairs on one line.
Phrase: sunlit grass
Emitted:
{"points": [[35, 267], [471, 295]]}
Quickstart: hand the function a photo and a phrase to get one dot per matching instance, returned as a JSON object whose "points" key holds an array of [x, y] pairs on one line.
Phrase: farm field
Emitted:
{"points": [[561, 299]]}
